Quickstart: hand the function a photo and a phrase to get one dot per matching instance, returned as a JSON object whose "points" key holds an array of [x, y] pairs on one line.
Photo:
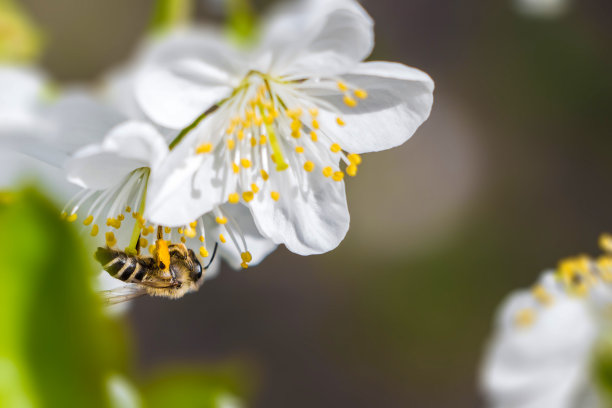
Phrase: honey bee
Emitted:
{"points": [[172, 272]]}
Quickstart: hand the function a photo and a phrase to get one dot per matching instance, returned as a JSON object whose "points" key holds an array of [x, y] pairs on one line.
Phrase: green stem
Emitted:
{"points": [[193, 124]]}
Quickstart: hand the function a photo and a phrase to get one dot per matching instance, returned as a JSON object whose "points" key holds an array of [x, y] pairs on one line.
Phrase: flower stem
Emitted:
{"points": [[193, 124]]}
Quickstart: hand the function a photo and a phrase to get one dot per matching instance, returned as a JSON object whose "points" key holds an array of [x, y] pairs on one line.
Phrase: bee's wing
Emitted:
{"points": [[121, 294]]}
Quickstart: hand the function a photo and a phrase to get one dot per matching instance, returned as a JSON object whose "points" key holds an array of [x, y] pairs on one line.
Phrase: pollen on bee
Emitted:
{"points": [[234, 198], [221, 220], [88, 220], [248, 196]]}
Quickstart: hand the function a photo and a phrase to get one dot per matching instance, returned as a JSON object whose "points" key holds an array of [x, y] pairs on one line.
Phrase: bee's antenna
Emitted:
{"points": [[212, 258]]}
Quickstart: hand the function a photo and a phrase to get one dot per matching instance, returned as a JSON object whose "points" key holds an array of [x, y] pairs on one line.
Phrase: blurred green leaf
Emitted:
{"points": [[20, 40], [170, 13], [56, 348], [602, 366], [241, 23]]}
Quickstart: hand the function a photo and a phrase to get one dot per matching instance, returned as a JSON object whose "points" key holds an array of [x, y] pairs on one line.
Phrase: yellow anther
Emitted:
{"points": [[152, 249], [63, 215], [299, 149], [109, 222], [340, 122], [262, 139], [328, 171], [128, 209], [203, 252], [246, 163], [253, 142], [202, 238], [248, 196], [351, 170], [542, 295], [354, 158], [167, 230], [246, 256], [235, 168], [88, 220], [258, 121], [605, 242], [255, 188], [361, 93], [231, 144], [222, 239], [338, 176], [524, 318], [144, 243], [204, 148], [179, 230], [110, 239], [349, 101], [313, 136], [94, 230], [190, 233], [342, 86], [296, 134], [221, 220], [151, 229], [72, 217], [193, 224], [244, 265], [240, 134], [296, 125], [314, 112], [264, 175], [275, 195], [121, 217], [135, 214], [604, 265], [230, 130], [234, 198], [335, 148], [183, 240], [163, 254], [269, 119], [309, 166], [315, 124]]}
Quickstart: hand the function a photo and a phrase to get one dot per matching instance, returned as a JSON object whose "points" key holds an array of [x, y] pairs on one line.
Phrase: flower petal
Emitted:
{"points": [[309, 218], [399, 100], [22, 88], [126, 148], [317, 36]]}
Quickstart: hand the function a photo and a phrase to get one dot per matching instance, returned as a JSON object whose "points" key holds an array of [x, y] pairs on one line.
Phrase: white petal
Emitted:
{"points": [[317, 36], [22, 88], [308, 221], [544, 364], [399, 101], [127, 147]]}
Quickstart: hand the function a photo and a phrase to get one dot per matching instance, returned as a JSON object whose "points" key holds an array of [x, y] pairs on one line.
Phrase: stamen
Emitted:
{"points": [[335, 148], [88, 220], [309, 166], [234, 198], [275, 195], [524, 318], [204, 148], [349, 101], [361, 93], [338, 176], [328, 171], [222, 238], [248, 196]]}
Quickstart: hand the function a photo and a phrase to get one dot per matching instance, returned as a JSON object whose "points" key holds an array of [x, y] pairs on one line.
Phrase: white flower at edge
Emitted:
{"points": [[114, 175], [292, 117], [541, 352]]}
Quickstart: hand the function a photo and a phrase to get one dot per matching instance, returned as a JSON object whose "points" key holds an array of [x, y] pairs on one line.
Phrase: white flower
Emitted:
{"points": [[542, 349], [115, 176], [270, 128], [542, 8]]}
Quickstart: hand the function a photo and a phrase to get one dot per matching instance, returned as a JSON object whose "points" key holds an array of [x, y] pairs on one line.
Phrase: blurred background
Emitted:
{"points": [[511, 173]]}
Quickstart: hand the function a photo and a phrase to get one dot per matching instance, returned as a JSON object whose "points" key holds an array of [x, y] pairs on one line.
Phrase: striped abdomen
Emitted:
{"points": [[122, 266]]}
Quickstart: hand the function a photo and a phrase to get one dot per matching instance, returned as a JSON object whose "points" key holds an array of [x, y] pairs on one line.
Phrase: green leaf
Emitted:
{"points": [[20, 39], [57, 349], [170, 13], [241, 22]]}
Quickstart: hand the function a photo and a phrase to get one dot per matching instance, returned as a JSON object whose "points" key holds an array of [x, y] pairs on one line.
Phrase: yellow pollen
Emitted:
{"points": [[340, 122], [258, 121], [315, 124], [299, 149], [110, 239], [88, 220], [338, 176], [94, 230], [541, 295], [605, 242], [240, 134], [354, 158], [121, 217], [204, 148], [222, 239], [246, 163], [144, 243], [72, 217], [246, 256], [264, 175], [244, 265], [179, 230], [202, 238], [63, 215], [262, 139], [163, 254], [275, 195], [135, 214], [296, 134], [235, 168], [248, 196], [167, 230], [269, 119], [335, 148], [254, 188], [128, 209], [296, 125], [234, 198], [351, 170], [314, 112], [190, 233], [349, 101], [203, 252], [342, 86], [221, 220], [313, 136], [183, 240], [361, 93], [193, 224], [309, 166], [253, 142], [328, 171], [231, 144], [524, 318], [152, 249]]}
